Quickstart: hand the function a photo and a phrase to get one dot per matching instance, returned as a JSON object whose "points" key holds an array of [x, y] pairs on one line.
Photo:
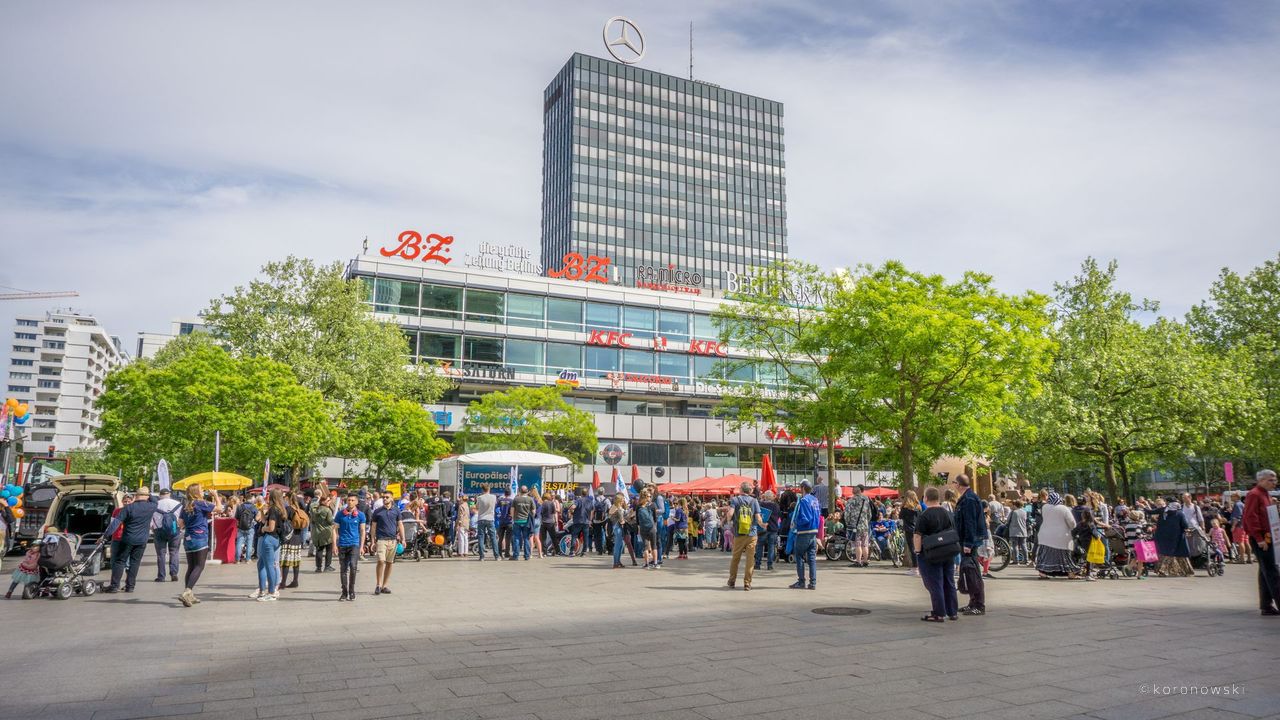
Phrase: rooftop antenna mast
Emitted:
{"points": [[690, 51]]}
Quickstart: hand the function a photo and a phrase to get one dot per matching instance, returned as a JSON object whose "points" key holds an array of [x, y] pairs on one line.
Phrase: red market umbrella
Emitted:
{"points": [[635, 473], [881, 492], [768, 479], [595, 479]]}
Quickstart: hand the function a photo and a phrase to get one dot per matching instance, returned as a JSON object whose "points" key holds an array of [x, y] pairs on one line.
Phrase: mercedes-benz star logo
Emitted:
{"points": [[622, 47]]}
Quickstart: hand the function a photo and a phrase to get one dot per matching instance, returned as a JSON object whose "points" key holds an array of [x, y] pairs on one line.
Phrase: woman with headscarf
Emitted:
{"points": [[1053, 556], [1171, 542]]}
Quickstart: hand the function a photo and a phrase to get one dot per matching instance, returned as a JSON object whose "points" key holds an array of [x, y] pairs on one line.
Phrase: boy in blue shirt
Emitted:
{"points": [[351, 525]]}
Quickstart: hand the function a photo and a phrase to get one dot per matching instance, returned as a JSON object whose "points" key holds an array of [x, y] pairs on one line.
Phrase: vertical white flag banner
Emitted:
{"points": [[515, 480], [266, 473], [162, 475]]}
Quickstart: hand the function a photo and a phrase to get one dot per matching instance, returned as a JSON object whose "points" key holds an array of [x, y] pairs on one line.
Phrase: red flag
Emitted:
{"points": [[635, 473], [595, 479], [768, 479]]}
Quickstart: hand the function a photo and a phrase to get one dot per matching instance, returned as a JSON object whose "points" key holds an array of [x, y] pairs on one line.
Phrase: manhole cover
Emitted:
{"points": [[841, 611]]}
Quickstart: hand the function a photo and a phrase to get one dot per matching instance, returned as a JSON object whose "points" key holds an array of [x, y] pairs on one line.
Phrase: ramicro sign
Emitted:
{"points": [[795, 293]]}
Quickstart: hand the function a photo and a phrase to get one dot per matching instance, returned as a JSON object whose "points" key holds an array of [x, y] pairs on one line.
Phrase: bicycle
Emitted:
{"points": [[570, 545]]}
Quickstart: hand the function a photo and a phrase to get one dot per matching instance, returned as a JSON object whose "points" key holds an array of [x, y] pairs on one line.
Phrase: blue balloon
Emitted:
{"points": [[22, 420]]}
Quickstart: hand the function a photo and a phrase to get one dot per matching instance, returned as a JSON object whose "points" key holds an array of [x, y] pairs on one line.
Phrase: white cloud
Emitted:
{"points": [[169, 150]]}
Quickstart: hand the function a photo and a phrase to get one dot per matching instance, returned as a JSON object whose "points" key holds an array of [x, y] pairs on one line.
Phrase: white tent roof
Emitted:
{"points": [[513, 457]]}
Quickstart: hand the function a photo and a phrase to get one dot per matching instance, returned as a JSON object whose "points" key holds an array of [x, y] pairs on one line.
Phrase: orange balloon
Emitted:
{"points": [[11, 402], [19, 513], [21, 409]]}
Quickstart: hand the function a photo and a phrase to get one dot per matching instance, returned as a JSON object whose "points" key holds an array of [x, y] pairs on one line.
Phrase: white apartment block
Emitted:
{"points": [[150, 343], [58, 366]]}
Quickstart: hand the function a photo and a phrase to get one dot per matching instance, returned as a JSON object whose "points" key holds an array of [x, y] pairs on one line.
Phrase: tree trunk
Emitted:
{"points": [[1124, 481], [908, 478], [831, 471], [1109, 470]]}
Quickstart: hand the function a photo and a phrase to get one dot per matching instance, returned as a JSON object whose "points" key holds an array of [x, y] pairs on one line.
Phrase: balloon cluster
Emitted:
{"points": [[11, 495], [19, 411]]}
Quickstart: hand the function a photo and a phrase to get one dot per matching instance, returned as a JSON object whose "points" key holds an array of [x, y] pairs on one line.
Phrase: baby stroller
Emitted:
{"points": [[1118, 554], [436, 537], [412, 533], [61, 571], [1214, 563]]}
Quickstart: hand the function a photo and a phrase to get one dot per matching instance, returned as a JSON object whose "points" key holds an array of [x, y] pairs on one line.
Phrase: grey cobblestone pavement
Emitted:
{"points": [[569, 639]]}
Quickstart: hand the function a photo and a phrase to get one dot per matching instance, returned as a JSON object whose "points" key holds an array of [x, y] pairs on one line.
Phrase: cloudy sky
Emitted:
{"points": [[153, 155]]}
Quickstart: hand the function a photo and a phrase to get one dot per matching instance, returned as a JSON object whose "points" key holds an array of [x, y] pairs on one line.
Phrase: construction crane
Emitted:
{"points": [[28, 295]]}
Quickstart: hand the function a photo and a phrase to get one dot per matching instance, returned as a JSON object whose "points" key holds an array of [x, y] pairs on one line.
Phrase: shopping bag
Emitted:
{"points": [[1097, 553], [1145, 550]]}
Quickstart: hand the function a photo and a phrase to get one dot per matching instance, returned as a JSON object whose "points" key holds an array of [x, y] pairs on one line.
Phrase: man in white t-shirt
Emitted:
{"points": [[167, 549], [486, 504]]}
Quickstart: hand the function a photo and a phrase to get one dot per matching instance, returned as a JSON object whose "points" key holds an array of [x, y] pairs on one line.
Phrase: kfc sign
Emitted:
{"points": [[611, 338], [708, 347], [411, 247]]}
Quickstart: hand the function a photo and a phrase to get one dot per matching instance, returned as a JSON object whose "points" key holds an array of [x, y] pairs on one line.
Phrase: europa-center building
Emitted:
{"points": [[659, 195]]}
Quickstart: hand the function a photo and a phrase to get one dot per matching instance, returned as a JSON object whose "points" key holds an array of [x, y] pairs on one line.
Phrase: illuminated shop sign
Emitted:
{"points": [[412, 245], [610, 338], [568, 379], [708, 347], [442, 417], [669, 279], [653, 381], [483, 372], [504, 258], [589, 269], [613, 452], [799, 294]]}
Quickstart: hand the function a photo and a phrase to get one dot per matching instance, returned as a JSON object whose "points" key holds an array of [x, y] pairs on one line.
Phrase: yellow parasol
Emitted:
{"points": [[215, 481]]}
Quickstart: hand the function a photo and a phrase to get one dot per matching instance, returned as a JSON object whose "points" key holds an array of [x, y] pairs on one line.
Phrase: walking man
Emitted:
{"points": [[388, 532], [351, 525], [245, 515], [503, 516], [599, 516], [804, 523], [522, 509], [486, 507], [744, 519], [135, 519], [1257, 526], [971, 526], [857, 525], [168, 538]]}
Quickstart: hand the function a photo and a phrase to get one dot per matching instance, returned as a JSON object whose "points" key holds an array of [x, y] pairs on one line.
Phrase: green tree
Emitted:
{"points": [[1119, 392], [396, 437], [927, 367], [89, 461], [1243, 314], [313, 320], [773, 321], [536, 419], [172, 411]]}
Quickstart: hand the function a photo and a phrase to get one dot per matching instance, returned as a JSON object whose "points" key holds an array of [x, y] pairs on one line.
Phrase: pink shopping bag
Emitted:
{"points": [[1145, 550]]}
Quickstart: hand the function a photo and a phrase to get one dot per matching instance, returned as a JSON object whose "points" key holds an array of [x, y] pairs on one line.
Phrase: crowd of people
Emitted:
{"points": [[947, 537]]}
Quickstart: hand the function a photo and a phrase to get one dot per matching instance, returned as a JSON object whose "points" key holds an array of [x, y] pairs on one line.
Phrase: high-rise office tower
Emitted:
{"points": [[652, 170]]}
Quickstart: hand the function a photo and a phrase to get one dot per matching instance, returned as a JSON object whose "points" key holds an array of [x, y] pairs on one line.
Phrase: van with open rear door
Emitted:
{"points": [[83, 506]]}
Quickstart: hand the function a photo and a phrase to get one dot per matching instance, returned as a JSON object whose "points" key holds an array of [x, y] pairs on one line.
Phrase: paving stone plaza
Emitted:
{"points": [[568, 639]]}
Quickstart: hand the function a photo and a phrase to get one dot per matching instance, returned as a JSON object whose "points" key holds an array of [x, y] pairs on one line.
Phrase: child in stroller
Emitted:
{"points": [[437, 528], [61, 568], [412, 536]]}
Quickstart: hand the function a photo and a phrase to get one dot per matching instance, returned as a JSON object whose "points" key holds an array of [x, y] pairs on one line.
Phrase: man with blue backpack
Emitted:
{"points": [[168, 538], [804, 527]]}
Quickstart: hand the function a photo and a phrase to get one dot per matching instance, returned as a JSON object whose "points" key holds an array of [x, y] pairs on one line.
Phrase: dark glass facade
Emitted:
{"points": [[654, 170]]}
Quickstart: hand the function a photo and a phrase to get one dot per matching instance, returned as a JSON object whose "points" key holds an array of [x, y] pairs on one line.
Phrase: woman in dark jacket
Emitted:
{"points": [[1171, 543]]}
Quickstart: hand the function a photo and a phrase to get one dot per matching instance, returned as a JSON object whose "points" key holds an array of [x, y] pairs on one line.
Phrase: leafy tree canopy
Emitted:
{"points": [[396, 437], [535, 419], [172, 410], [313, 320]]}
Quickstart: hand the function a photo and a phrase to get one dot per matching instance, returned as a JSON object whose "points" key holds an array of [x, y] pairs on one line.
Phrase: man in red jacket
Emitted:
{"points": [[1258, 527]]}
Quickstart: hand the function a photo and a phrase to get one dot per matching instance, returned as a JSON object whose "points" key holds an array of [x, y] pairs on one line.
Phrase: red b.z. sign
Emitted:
{"points": [[574, 267], [411, 247]]}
